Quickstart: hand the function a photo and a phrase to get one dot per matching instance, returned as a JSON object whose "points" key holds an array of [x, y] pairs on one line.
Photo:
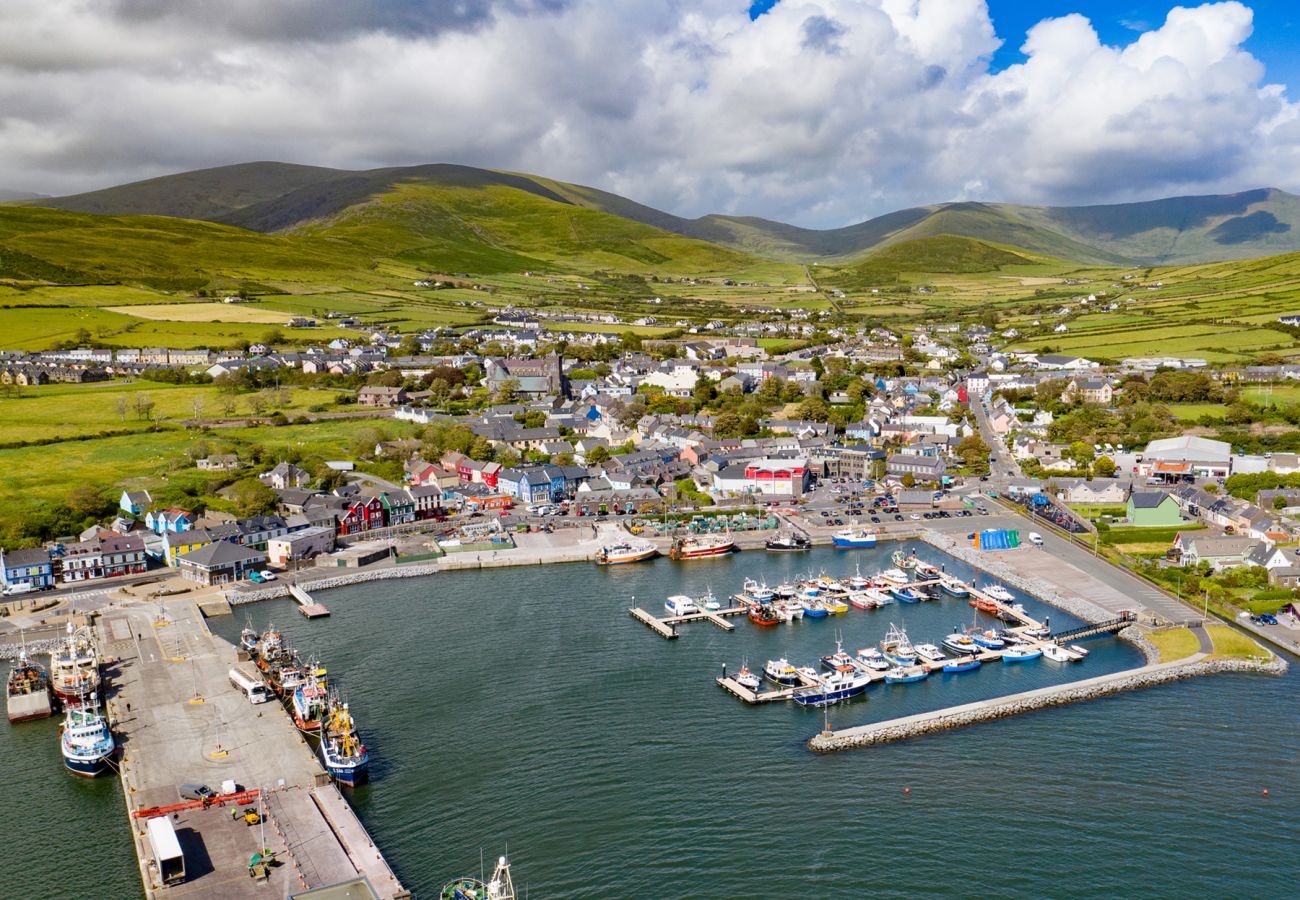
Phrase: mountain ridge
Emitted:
{"points": [[276, 197]]}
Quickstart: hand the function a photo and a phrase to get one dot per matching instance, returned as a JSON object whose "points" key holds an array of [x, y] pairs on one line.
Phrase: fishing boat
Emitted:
{"points": [[624, 552], [87, 742], [74, 668], [984, 605], [903, 560], [808, 590], [270, 648], [930, 652], [702, 546], [839, 661], [904, 594], [897, 647], [756, 592], [308, 706], [27, 690], [781, 671], [953, 587], [873, 659], [814, 608], [893, 576], [498, 887], [832, 688], [998, 592], [906, 674], [927, 570], [830, 585], [680, 605], [708, 601], [963, 664], [763, 614], [1021, 653], [960, 642], [863, 600], [248, 638], [787, 610], [788, 542], [835, 607], [857, 581], [1057, 653], [746, 678], [341, 749], [785, 590], [855, 537], [986, 638]]}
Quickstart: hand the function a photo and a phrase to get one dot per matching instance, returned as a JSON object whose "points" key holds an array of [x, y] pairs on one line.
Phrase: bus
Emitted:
{"points": [[249, 683], [166, 850]]}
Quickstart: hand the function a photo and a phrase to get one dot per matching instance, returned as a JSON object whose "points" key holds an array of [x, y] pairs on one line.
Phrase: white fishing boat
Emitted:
{"points": [[680, 605], [709, 601], [893, 576], [1057, 653], [873, 659], [746, 678], [757, 592], [897, 647], [999, 593], [930, 652], [857, 581], [781, 671], [1020, 653]]}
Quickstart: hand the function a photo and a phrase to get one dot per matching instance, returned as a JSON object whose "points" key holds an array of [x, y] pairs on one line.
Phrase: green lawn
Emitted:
{"points": [[1230, 643], [1174, 643]]}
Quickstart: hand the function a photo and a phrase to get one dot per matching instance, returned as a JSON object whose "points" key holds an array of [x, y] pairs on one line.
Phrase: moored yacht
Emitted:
{"points": [[781, 671], [680, 605], [930, 652], [833, 687]]}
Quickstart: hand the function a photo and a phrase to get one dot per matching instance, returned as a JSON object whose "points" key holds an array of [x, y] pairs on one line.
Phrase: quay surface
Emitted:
{"points": [[178, 720]]}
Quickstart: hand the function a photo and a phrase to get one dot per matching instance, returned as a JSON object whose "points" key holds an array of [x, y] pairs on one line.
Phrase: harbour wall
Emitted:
{"points": [[1043, 698]]}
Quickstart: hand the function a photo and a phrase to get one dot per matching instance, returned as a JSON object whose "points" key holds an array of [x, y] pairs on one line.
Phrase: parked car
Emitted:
{"points": [[191, 791]]}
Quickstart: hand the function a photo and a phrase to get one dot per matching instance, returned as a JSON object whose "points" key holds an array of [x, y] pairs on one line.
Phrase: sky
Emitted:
{"points": [[815, 112]]}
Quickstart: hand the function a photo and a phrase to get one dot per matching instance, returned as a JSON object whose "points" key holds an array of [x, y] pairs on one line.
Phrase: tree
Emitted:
{"points": [[252, 498], [705, 391], [86, 501], [813, 409], [122, 406], [228, 405], [272, 337], [597, 454], [1104, 467], [1279, 502], [909, 480], [198, 407], [257, 403], [1081, 452], [974, 453], [143, 405], [507, 390], [730, 424]]}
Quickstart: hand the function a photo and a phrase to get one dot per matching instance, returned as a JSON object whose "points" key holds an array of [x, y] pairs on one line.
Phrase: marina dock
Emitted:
{"points": [[666, 626], [179, 721], [306, 605]]}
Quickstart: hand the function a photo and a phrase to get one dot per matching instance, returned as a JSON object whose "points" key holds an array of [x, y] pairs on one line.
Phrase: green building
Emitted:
{"points": [[1153, 509]]}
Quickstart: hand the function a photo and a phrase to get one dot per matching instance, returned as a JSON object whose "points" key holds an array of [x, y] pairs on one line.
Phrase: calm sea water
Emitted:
{"points": [[524, 708]]}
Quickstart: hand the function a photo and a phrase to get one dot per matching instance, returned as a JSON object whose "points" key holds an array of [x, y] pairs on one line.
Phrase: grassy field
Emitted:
{"points": [[64, 411], [1232, 644], [1174, 643], [202, 312]]}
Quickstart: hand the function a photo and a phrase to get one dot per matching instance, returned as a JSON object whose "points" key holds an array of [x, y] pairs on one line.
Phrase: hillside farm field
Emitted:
{"points": [[65, 411], [202, 312]]}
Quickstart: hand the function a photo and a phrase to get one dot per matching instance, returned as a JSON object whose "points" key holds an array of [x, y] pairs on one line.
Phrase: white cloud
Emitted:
{"points": [[821, 111]]}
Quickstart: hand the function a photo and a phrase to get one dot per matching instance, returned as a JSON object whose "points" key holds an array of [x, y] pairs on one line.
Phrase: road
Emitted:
{"points": [[1005, 467]]}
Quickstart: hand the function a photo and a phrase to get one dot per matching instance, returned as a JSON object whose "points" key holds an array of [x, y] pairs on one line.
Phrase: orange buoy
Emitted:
{"points": [[908, 791], [1265, 792]]}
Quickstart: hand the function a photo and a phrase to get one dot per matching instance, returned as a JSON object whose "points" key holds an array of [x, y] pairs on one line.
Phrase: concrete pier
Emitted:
{"points": [[179, 720]]}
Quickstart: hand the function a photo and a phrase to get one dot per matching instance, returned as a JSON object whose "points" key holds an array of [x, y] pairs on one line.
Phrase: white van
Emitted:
{"points": [[1035, 538], [20, 587]]}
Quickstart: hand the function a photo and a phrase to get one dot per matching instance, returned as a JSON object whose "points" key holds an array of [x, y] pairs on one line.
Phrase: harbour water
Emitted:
{"points": [[524, 708]]}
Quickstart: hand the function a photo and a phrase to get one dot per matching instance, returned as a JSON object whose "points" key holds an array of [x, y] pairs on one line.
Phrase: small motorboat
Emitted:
{"points": [[927, 570], [839, 661], [862, 600], [680, 605], [857, 581], [958, 642], [781, 671], [930, 652], [985, 605], [989, 640], [998, 592], [1020, 654], [953, 587], [905, 594], [1057, 653], [873, 659], [834, 607], [789, 610], [763, 614], [814, 608], [964, 664], [1079, 650], [906, 674], [893, 576], [746, 678], [709, 601]]}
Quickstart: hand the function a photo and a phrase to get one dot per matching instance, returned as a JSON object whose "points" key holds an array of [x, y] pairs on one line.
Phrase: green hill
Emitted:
{"points": [[939, 254]]}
